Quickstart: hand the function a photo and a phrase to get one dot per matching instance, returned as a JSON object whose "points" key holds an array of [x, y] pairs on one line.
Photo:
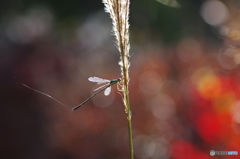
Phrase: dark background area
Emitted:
{"points": [[184, 80]]}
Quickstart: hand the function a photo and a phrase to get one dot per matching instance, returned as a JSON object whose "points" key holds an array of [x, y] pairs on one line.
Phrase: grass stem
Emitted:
{"points": [[119, 13]]}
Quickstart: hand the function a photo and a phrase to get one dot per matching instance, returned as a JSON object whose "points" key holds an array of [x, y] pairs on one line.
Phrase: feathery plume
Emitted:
{"points": [[119, 13]]}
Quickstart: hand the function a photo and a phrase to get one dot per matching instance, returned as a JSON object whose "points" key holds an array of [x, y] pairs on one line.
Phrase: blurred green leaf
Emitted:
{"points": [[170, 3]]}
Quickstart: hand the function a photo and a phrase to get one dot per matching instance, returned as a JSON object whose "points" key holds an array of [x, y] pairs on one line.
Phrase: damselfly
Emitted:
{"points": [[107, 87]]}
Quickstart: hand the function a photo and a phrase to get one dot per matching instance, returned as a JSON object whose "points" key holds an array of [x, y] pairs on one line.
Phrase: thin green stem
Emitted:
{"points": [[130, 139], [129, 117]]}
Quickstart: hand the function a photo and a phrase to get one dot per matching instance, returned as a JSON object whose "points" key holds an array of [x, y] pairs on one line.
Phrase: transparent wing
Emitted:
{"points": [[98, 80], [101, 87], [107, 91]]}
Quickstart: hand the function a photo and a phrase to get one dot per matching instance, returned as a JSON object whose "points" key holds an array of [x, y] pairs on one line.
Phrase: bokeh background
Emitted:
{"points": [[184, 88]]}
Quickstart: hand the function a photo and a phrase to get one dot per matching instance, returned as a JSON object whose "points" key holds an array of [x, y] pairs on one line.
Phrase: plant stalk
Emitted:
{"points": [[119, 13], [129, 114]]}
